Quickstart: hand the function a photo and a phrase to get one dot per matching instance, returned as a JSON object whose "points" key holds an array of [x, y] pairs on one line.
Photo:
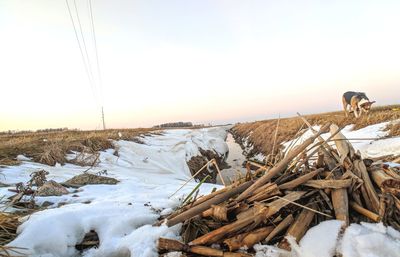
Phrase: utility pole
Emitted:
{"points": [[102, 116]]}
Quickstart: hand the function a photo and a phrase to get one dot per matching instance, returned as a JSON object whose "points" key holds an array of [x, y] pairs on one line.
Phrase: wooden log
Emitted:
{"points": [[300, 180], [247, 239], [281, 165], [249, 222], [170, 245], [331, 183], [278, 229], [369, 214], [298, 228], [196, 210], [341, 204]]}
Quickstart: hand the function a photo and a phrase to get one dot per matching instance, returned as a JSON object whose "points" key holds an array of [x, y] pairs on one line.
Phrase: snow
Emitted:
{"points": [[370, 141], [121, 214], [326, 240], [370, 240], [326, 234]]}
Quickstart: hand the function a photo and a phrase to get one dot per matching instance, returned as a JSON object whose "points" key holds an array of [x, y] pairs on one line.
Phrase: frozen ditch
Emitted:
{"points": [[235, 160], [123, 214]]}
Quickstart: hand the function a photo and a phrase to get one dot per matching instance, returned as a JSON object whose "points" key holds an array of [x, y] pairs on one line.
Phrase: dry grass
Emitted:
{"points": [[261, 133], [51, 147], [394, 129], [8, 227]]}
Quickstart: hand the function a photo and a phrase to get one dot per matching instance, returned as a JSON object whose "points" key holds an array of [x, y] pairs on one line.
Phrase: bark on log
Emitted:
{"points": [[281, 165]]}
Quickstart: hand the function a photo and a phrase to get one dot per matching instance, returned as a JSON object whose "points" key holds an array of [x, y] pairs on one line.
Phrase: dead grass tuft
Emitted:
{"points": [[9, 223], [261, 133]]}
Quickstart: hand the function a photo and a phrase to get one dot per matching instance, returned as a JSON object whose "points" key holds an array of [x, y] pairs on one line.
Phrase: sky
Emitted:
{"points": [[208, 61]]}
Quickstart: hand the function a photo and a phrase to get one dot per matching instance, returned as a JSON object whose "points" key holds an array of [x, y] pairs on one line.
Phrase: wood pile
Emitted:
{"points": [[314, 182]]}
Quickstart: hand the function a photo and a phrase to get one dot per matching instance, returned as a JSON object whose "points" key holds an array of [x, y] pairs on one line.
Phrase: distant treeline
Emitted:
{"points": [[33, 131], [179, 124]]}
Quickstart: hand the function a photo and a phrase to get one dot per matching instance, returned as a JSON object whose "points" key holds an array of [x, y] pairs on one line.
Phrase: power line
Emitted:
{"points": [[95, 49], [97, 62], [86, 52], [80, 47], [86, 61]]}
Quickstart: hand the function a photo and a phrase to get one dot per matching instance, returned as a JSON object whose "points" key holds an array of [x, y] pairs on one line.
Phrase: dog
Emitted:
{"points": [[358, 103]]}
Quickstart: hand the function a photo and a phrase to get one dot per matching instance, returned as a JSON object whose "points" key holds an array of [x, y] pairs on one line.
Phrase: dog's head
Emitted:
{"points": [[367, 106]]}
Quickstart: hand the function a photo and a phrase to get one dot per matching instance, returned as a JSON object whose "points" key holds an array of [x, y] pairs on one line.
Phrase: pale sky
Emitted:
{"points": [[201, 61]]}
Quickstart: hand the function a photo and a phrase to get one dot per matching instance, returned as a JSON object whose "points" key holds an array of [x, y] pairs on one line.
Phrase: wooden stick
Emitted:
{"points": [[369, 214], [281, 165], [300, 180]]}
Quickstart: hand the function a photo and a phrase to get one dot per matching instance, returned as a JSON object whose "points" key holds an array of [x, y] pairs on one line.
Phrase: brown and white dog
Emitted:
{"points": [[358, 103]]}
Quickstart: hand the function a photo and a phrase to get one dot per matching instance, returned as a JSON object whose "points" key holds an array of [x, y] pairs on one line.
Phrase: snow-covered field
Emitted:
{"points": [[149, 173]]}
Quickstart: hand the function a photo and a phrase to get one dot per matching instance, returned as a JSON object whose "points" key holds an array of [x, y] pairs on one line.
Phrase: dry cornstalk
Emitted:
{"points": [[220, 213], [341, 204], [218, 234], [278, 229], [248, 222], [369, 214], [298, 228], [165, 244], [268, 192], [217, 199], [281, 165], [330, 183], [369, 194], [248, 239], [300, 180], [384, 180]]}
